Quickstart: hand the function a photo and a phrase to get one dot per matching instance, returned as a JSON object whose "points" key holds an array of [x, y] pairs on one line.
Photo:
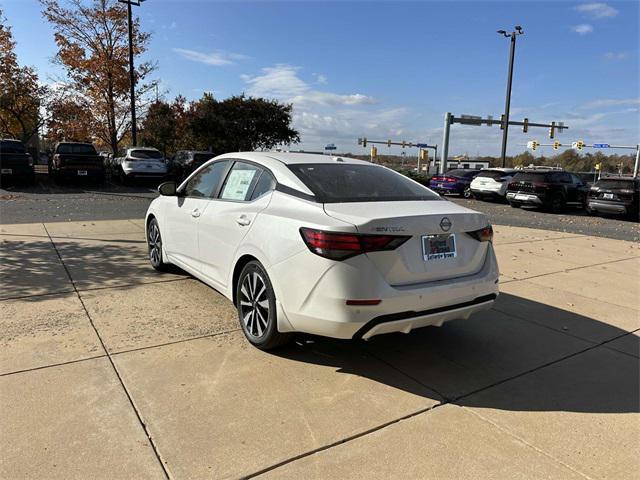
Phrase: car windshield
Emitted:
{"points": [[76, 148], [12, 146], [146, 154], [495, 174], [336, 183], [530, 177], [619, 184]]}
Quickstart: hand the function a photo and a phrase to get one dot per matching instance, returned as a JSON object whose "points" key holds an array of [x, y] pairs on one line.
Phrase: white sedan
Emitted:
{"points": [[492, 183], [325, 245]]}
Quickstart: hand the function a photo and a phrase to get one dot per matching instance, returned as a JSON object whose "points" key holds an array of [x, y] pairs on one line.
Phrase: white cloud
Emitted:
{"points": [[321, 79], [611, 102], [217, 58], [597, 10], [615, 55], [282, 82], [582, 29]]}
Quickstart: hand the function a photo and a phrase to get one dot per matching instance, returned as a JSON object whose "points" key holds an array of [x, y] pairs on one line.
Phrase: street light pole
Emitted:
{"points": [[507, 105], [132, 76]]}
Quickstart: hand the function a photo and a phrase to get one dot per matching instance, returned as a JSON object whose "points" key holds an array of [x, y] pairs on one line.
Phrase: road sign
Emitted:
{"points": [[471, 119], [331, 146], [422, 145], [600, 145]]}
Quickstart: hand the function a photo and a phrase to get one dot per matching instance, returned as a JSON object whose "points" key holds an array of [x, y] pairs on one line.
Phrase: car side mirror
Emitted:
{"points": [[167, 189]]}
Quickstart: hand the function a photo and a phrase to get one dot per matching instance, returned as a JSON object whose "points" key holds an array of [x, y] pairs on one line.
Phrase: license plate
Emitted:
{"points": [[440, 185], [7, 171], [438, 247], [608, 196], [522, 197], [82, 173]]}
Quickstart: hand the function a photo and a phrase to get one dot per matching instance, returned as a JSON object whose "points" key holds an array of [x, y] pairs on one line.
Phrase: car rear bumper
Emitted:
{"points": [[80, 171], [16, 171], [484, 190], [525, 198], [447, 188], [323, 309], [607, 207]]}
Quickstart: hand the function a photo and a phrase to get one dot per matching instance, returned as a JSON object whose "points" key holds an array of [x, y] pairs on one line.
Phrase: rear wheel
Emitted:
{"points": [[256, 304], [556, 204]]}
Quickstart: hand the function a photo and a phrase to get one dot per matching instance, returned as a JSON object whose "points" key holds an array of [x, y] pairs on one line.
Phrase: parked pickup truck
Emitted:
{"points": [[15, 162], [72, 160]]}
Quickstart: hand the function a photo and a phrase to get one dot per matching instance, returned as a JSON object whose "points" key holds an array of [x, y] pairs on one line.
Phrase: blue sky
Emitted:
{"points": [[391, 69]]}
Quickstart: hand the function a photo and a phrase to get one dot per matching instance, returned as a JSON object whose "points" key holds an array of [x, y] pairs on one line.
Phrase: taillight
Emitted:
{"points": [[57, 160], [30, 160], [483, 235], [340, 246]]}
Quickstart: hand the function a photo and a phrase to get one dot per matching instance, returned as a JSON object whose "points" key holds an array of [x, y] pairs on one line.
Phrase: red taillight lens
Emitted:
{"points": [[483, 235], [340, 246]]}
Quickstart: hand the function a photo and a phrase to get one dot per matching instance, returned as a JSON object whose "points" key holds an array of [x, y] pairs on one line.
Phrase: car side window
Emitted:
{"points": [[576, 179], [240, 182], [265, 184], [205, 183]]}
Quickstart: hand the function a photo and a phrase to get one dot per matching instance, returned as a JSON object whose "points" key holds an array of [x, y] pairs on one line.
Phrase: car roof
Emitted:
{"points": [[499, 169], [143, 148], [74, 143]]}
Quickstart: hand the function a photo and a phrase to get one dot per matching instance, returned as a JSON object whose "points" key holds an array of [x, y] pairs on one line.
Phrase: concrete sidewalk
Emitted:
{"points": [[109, 369]]}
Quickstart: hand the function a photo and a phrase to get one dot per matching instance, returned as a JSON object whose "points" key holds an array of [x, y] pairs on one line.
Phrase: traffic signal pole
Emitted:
{"points": [[507, 105], [445, 142]]}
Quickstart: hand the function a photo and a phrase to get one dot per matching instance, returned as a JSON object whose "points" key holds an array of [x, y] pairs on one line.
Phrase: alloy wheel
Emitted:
{"points": [[155, 244], [254, 305]]}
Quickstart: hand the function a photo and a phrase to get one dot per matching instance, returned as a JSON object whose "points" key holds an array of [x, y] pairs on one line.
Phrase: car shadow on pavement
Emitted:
{"points": [[498, 361], [31, 267]]}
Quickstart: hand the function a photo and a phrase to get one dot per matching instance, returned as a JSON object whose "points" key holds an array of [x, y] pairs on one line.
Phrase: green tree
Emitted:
{"points": [[159, 127]]}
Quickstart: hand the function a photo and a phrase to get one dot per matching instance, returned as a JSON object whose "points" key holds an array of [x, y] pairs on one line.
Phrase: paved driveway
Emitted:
{"points": [[111, 370]]}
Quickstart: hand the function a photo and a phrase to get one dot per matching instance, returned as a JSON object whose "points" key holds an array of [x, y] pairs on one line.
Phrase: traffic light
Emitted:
{"points": [[579, 144], [525, 127], [389, 143], [534, 145], [403, 142], [598, 166], [374, 152], [424, 155], [552, 130], [364, 142], [502, 122], [556, 145]]}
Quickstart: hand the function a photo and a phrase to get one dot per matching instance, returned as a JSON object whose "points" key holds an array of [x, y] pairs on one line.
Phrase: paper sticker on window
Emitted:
{"points": [[238, 183]]}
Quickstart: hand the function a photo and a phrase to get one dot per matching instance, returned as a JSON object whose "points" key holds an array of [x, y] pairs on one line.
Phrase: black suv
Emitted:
{"points": [[552, 190], [186, 161], [15, 162], [619, 195]]}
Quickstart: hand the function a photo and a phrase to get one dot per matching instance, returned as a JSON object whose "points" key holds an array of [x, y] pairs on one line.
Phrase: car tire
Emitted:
{"points": [[557, 204], [154, 244], [256, 304], [466, 193]]}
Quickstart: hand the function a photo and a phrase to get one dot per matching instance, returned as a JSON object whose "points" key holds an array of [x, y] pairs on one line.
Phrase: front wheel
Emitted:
{"points": [[154, 243], [256, 303]]}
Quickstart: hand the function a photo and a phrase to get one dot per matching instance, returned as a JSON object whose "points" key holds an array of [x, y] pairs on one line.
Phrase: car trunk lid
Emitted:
{"points": [[433, 220]]}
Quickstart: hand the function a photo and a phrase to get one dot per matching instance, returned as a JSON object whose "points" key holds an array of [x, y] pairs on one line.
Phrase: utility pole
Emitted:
{"points": [[507, 105], [132, 76], [445, 143]]}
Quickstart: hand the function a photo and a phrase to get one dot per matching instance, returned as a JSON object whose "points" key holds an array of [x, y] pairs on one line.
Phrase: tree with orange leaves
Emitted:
{"points": [[21, 95], [92, 40]]}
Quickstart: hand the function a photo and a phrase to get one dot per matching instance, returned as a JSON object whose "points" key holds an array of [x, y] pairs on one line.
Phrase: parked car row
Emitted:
{"points": [[551, 189]]}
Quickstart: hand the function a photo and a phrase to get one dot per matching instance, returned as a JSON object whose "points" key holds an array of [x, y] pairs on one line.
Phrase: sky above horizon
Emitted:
{"points": [[392, 69]]}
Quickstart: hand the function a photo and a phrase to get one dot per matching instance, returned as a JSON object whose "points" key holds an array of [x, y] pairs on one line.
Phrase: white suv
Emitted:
{"points": [[492, 183], [139, 162]]}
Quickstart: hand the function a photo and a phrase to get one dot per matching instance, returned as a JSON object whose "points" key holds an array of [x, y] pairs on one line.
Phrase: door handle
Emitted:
{"points": [[195, 213], [243, 220]]}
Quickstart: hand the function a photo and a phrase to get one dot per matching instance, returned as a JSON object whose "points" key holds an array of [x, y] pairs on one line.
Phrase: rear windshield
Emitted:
{"points": [[202, 157], [12, 146], [335, 183], [615, 184], [495, 174], [146, 154], [459, 172], [76, 148], [530, 177]]}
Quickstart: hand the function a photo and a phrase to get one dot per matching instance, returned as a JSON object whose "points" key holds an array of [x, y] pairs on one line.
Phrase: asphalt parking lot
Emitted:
{"points": [[111, 370], [48, 202]]}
